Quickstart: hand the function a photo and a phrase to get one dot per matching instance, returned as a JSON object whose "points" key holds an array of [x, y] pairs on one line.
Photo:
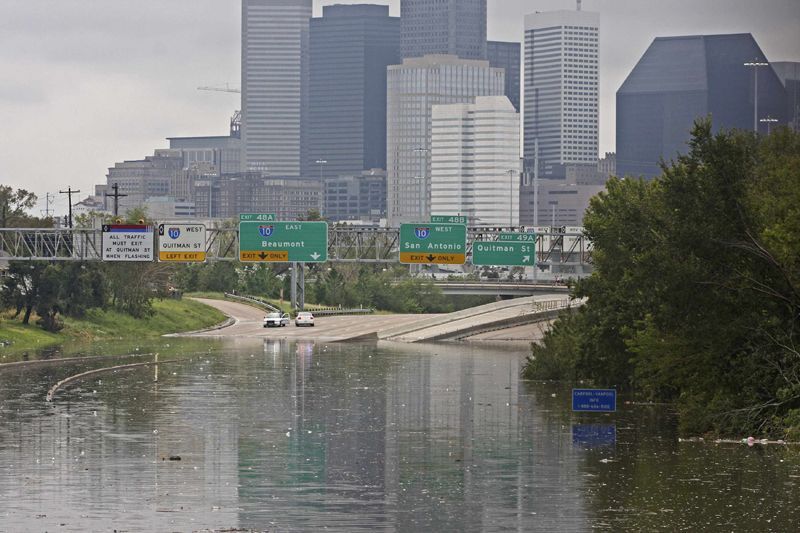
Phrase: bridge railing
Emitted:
{"points": [[552, 305]]}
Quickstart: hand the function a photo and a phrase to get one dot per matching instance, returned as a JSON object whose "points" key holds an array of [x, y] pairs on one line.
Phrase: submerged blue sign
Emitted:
{"points": [[594, 400], [594, 435]]}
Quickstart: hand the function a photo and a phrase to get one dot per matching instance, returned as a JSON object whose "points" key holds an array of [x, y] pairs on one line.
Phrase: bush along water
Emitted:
{"points": [[695, 298]]}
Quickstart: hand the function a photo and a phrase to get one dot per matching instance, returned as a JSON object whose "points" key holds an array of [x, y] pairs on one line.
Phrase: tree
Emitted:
{"points": [[695, 294], [13, 206], [313, 215], [260, 279], [218, 277], [20, 287]]}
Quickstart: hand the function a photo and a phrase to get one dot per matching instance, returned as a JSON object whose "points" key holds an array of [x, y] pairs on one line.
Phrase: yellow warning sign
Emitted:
{"points": [[265, 256], [182, 257], [432, 258]]}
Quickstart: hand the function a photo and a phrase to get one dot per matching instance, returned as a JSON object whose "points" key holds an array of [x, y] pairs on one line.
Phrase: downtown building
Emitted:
{"points": [[139, 180], [360, 197], [450, 27], [475, 165], [351, 46], [275, 73], [561, 90], [507, 55], [681, 79], [228, 196], [413, 89], [561, 116], [789, 74]]}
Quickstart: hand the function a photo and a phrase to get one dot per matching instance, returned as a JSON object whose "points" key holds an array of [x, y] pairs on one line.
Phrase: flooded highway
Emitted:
{"points": [[284, 435]]}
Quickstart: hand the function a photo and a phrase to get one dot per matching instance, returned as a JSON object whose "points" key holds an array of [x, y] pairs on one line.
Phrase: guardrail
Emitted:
{"points": [[335, 311], [253, 300], [323, 311]]}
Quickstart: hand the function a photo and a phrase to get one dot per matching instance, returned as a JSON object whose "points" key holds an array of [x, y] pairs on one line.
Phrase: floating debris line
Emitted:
{"points": [[78, 377]]}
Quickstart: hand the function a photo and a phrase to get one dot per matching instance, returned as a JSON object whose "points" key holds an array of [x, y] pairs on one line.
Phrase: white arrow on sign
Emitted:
{"points": [[526, 259], [315, 256]]}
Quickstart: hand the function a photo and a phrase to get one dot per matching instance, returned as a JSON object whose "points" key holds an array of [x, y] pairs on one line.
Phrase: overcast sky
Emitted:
{"points": [[86, 83]]}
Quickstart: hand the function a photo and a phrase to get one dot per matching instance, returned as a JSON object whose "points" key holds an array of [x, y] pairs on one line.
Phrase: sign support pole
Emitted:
{"points": [[298, 286]]}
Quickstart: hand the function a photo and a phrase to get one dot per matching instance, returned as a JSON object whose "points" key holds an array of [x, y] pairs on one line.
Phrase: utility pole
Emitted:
{"points": [[117, 196], [69, 192]]}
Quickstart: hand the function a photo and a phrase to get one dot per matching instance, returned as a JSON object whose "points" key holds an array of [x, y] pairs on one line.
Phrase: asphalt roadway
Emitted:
{"points": [[248, 322]]}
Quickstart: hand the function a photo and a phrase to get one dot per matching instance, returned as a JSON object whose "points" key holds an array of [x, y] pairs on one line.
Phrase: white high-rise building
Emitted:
{"points": [[413, 88], [274, 82], [561, 89], [475, 165]]}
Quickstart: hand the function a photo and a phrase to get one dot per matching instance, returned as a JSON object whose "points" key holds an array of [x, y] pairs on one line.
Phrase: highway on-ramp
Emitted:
{"points": [[507, 320], [248, 322]]}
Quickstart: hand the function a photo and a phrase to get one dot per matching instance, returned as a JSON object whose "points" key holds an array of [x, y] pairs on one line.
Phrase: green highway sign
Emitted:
{"points": [[253, 217], [504, 253], [517, 237], [301, 242], [433, 243], [448, 219]]}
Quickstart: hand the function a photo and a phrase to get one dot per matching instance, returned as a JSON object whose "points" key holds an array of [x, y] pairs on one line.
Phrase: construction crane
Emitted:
{"points": [[227, 88]]}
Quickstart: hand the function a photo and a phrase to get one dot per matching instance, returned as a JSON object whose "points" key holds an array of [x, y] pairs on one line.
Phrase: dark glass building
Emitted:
{"points": [[351, 46], [507, 56], [680, 79], [361, 197], [455, 27], [789, 73]]}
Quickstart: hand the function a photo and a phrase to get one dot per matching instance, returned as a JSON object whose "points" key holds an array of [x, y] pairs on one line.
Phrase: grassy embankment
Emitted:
{"points": [[171, 316]]}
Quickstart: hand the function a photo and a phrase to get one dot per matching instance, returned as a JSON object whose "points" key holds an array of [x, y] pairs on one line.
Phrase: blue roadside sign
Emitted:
{"points": [[594, 400]]}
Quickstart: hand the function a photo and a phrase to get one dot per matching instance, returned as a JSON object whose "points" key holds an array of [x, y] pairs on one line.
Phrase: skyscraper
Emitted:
{"points": [[507, 56], [351, 46], [274, 81], [475, 161], [455, 27], [413, 88], [680, 79], [561, 89], [789, 73]]}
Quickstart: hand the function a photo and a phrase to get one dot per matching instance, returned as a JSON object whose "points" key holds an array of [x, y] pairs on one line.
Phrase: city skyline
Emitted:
{"points": [[88, 87]]}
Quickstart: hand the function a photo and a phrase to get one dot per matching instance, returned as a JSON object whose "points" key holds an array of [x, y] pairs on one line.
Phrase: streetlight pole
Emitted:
{"points": [[321, 162], [755, 64], [511, 173], [422, 153], [768, 120]]}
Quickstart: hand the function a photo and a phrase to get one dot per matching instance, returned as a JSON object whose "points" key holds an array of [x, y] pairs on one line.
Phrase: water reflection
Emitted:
{"points": [[285, 435]]}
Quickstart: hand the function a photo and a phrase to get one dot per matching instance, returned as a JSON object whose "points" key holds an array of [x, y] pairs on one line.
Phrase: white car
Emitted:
{"points": [[277, 320], [304, 318]]}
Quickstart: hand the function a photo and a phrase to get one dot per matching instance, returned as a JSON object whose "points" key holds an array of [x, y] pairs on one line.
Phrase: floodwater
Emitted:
{"points": [[277, 436]]}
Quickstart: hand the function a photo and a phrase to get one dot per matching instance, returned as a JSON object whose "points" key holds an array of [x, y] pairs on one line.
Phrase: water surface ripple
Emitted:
{"points": [[281, 436]]}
